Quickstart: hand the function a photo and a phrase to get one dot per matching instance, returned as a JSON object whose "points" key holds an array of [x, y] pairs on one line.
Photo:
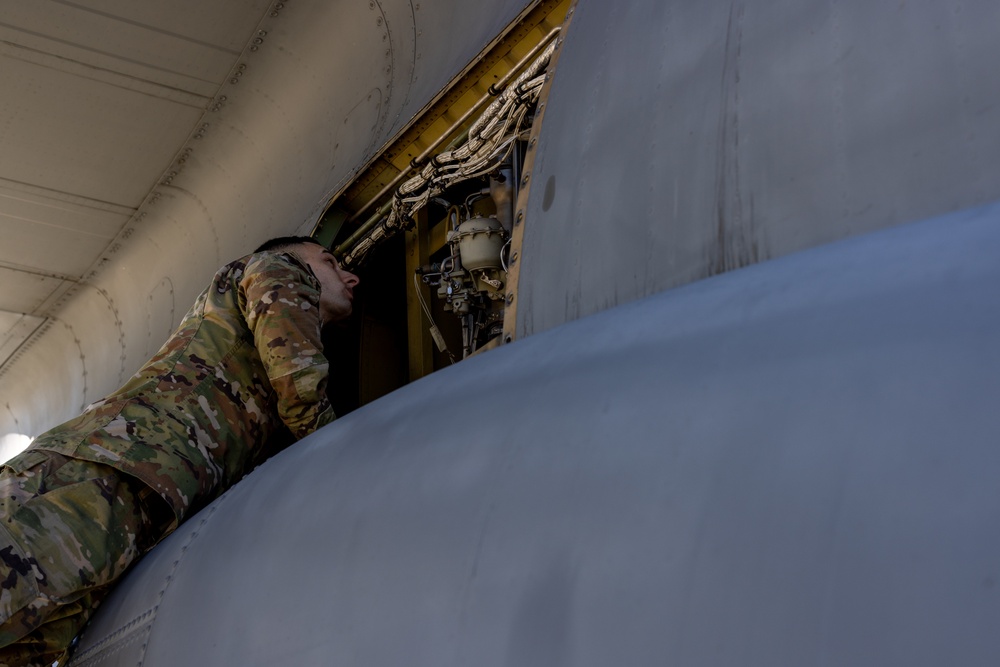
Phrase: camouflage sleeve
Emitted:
{"points": [[281, 306]]}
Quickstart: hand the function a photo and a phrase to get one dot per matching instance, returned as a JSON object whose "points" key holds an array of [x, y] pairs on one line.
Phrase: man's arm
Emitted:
{"points": [[281, 307]]}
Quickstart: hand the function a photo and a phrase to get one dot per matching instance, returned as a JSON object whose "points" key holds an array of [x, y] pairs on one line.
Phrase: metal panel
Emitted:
{"points": [[54, 232], [27, 291], [15, 328], [126, 43], [223, 24], [684, 139], [98, 98], [790, 464], [71, 147]]}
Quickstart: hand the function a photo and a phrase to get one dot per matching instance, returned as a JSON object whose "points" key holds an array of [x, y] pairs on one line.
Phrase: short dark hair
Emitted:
{"points": [[282, 242]]}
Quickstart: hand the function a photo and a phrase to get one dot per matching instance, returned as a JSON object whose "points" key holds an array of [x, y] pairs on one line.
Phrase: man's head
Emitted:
{"points": [[336, 284]]}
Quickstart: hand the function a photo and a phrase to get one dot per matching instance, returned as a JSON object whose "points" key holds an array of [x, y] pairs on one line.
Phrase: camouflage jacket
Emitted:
{"points": [[246, 362]]}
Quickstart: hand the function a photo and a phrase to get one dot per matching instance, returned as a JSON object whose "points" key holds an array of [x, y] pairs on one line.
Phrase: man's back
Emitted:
{"points": [[243, 376], [209, 406]]}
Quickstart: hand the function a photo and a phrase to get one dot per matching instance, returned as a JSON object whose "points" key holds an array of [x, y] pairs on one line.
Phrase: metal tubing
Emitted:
{"points": [[361, 231], [498, 88]]}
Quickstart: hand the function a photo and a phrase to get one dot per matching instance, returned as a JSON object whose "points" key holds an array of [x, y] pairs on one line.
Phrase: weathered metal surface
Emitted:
{"points": [[794, 463], [684, 139]]}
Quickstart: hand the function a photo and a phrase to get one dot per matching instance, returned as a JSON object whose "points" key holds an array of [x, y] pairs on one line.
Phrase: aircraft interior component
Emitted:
{"points": [[790, 464], [502, 192], [470, 280], [484, 147], [434, 126], [480, 241]]}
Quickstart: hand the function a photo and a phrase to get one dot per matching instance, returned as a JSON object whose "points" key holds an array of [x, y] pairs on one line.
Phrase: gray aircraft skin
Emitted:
{"points": [[748, 417], [790, 464]]}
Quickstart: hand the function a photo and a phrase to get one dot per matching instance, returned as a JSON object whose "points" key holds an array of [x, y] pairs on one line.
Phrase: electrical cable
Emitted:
{"points": [[490, 141], [435, 332]]}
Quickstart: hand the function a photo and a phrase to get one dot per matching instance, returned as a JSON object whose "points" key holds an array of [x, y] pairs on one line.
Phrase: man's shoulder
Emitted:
{"points": [[259, 268], [281, 262]]}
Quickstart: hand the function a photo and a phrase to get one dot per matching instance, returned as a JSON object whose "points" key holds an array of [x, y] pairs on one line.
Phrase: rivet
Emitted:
{"points": [[262, 33], [274, 15], [378, 21], [534, 140], [222, 98], [510, 298], [513, 257], [371, 5], [234, 81], [524, 181], [280, 5], [253, 48], [508, 339]]}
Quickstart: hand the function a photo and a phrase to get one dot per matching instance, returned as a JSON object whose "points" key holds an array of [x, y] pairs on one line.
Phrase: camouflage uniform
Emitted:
{"points": [[243, 376]]}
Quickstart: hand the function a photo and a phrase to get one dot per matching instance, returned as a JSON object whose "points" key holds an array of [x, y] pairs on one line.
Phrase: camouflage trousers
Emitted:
{"points": [[68, 529]]}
